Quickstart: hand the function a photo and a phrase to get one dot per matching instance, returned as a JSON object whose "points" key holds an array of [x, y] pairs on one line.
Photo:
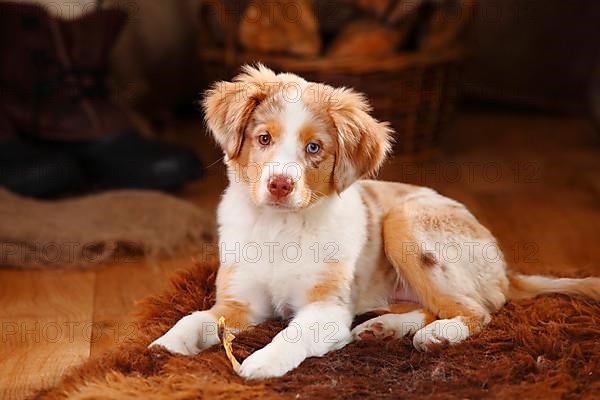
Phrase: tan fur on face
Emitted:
{"points": [[228, 106], [362, 141], [318, 172], [353, 143], [254, 158]]}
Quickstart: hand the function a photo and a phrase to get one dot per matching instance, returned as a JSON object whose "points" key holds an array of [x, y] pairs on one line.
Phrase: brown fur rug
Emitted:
{"points": [[547, 348], [106, 227]]}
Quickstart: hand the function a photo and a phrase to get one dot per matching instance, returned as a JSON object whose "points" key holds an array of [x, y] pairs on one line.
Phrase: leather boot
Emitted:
{"points": [[53, 86], [31, 170]]}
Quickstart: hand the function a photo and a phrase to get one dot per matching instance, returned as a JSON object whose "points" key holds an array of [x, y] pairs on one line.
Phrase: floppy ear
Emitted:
{"points": [[363, 142], [228, 106]]}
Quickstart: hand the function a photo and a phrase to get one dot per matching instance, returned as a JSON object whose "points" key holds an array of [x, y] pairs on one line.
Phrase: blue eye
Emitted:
{"points": [[313, 148]]}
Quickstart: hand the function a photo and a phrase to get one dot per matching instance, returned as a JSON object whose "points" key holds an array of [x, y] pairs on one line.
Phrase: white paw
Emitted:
{"points": [[440, 333], [268, 363], [177, 344], [389, 325], [190, 335]]}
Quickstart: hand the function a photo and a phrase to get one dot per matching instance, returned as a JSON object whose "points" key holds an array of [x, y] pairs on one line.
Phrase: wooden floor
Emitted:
{"points": [[533, 179]]}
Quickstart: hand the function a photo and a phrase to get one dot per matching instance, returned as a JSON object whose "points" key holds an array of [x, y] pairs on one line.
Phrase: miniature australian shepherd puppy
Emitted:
{"points": [[303, 236]]}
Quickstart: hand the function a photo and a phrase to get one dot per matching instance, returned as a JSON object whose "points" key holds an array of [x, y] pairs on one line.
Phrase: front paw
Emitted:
{"points": [[265, 363], [190, 334], [176, 344]]}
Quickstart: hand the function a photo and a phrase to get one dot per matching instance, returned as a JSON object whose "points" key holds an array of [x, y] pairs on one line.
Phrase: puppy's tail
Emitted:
{"points": [[529, 286]]}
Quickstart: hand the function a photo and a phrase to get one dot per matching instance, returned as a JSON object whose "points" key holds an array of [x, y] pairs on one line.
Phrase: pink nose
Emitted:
{"points": [[280, 186]]}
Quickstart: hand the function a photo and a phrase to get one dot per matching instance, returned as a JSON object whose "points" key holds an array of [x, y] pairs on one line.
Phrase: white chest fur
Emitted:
{"points": [[285, 253]]}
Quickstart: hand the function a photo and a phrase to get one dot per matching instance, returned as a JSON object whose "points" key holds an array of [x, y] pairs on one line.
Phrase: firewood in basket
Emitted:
{"points": [[333, 15], [448, 22], [366, 38], [377, 8], [402, 10], [285, 26]]}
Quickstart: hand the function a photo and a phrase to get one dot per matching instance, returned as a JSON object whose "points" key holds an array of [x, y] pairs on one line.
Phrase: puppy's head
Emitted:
{"points": [[293, 142]]}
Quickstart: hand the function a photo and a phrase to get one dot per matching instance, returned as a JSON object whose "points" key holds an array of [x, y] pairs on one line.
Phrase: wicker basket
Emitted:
{"points": [[416, 92]]}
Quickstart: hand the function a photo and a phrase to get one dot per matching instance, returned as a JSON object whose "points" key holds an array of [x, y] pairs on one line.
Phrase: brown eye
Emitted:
{"points": [[264, 139]]}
